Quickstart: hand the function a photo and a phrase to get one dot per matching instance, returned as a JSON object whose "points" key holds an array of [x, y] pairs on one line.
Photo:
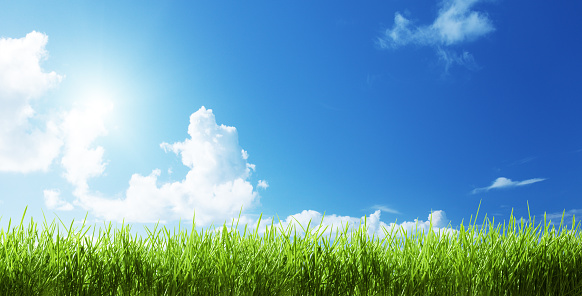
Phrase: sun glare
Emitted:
{"points": [[98, 105]]}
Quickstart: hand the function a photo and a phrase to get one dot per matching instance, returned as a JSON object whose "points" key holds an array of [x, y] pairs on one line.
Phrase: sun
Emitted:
{"points": [[98, 105]]}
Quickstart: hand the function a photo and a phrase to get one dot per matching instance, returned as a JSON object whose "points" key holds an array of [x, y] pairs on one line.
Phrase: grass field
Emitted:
{"points": [[517, 258]]}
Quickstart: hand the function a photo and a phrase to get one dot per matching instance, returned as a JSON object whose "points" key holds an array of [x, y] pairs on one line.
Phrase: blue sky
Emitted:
{"points": [[147, 111]]}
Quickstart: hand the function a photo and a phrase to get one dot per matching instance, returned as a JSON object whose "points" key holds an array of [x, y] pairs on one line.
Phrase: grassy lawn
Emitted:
{"points": [[517, 258]]}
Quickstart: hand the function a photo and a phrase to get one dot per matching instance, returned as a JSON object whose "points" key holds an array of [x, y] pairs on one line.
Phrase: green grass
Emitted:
{"points": [[514, 259]]}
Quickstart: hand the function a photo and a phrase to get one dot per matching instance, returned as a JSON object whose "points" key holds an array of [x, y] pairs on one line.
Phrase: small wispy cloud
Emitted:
{"points": [[450, 58], [385, 209], [262, 184], [566, 214], [523, 161], [455, 23], [502, 182]]}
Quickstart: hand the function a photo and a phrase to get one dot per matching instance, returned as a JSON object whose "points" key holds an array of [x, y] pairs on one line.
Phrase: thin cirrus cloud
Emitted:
{"points": [[385, 209], [501, 183], [25, 148], [455, 24]]}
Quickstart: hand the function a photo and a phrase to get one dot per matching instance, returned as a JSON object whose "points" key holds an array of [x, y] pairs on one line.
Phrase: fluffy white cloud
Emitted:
{"points": [[25, 147], [439, 222], [502, 182], [216, 186], [21, 75], [53, 201], [80, 128]]}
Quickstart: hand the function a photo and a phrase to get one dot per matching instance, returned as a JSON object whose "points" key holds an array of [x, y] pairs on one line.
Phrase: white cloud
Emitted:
{"points": [[456, 23], [80, 129], [450, 58], [337, 224], [20, 70], [53, 201], [262, 184], [385, 209], [216, 187], [25, 147], [80, 161], [566, 214], [502, 182]]}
